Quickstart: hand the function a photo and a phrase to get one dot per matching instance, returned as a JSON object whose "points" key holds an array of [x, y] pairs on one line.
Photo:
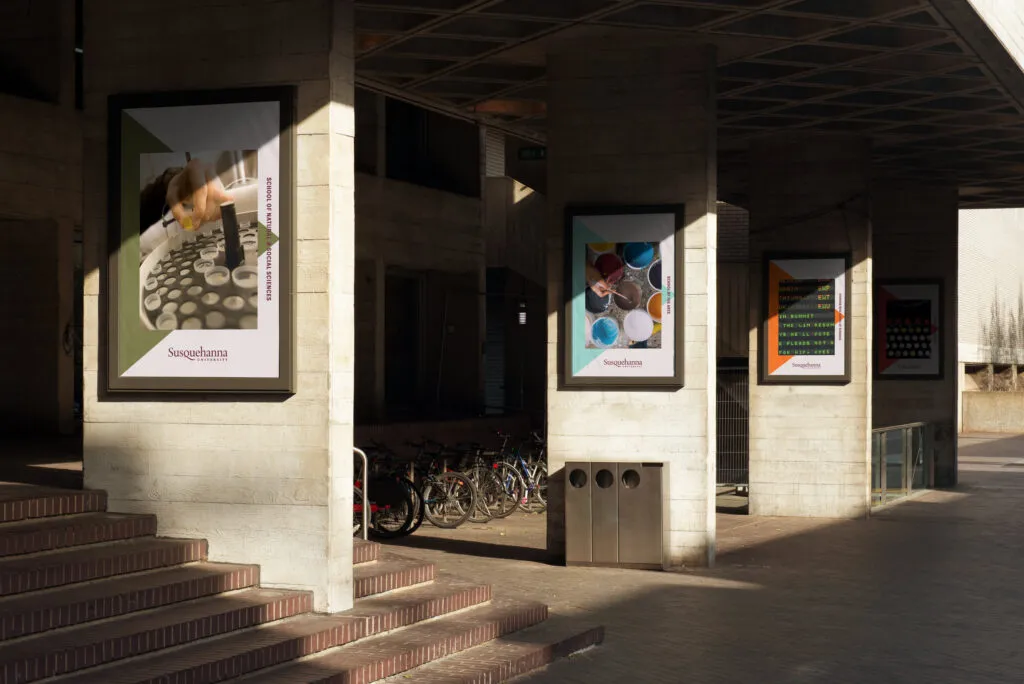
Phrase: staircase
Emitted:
{"points": [[91, 596]]}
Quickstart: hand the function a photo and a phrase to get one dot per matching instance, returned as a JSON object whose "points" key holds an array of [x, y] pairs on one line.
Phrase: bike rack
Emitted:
{"points": [[366, 489]]}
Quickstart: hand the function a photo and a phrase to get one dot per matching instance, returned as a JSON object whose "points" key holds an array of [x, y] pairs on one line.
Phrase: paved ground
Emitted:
{"points": [[928, 591]]}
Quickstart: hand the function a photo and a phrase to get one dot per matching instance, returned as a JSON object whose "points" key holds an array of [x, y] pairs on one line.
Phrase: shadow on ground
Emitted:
{"points": [[48, 462], [927, 591]]}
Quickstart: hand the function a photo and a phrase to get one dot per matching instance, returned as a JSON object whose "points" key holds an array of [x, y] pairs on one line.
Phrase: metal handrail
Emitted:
{"points": [[905, 426], [913, 456], [366, 489]]}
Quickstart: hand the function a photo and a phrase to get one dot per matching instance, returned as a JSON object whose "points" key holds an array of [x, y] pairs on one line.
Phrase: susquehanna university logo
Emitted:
{"points": [[201, 354]]}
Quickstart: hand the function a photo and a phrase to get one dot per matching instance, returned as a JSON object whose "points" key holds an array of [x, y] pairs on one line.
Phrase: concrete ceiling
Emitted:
{"points": [[908, 73]]}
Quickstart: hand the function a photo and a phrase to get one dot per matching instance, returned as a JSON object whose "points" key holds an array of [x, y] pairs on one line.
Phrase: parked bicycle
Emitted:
{"points": [[449, 497], [449, 486]]}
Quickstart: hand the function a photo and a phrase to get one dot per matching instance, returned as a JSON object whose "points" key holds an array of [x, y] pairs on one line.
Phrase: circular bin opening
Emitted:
{"points": [[578, 478], [630, 479], [604, 479]]}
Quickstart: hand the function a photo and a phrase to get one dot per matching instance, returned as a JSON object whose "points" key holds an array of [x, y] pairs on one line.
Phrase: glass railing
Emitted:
{"points": [[901, 461]]}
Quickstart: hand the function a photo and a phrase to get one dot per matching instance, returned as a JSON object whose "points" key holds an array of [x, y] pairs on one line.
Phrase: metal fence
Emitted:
{"points": [[901, 461], [733, 417]]}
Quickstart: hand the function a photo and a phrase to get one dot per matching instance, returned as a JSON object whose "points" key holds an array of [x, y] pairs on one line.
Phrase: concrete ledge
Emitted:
{"points": [[1001, 412]]}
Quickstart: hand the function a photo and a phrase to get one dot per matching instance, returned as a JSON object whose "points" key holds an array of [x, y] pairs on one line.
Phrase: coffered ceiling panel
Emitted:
{"points": [[894, 70]]}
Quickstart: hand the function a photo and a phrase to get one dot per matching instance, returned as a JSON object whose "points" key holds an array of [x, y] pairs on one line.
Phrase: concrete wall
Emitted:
{"points": [[531, 173], [265, 482], [733, 310], [809, 444], [619, 133], [41, 190], [993, 412], [991, 301], [35, 274], [40, 160], [439, 235], [920, 221], [515, 220], [31, 48], [418, 228]]}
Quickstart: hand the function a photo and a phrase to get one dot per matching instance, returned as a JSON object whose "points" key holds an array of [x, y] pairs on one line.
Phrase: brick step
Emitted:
{"points": [[376, 658], [216, 660], [415, 604], [504, 658], [364, 551], [46, 534], [76, 648], [21, 615], [233, 655], [68, 566], [389, 573], [22, 502]]}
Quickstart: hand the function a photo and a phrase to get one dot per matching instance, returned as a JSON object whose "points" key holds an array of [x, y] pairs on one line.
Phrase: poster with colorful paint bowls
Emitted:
{"points": [[622, 326]]}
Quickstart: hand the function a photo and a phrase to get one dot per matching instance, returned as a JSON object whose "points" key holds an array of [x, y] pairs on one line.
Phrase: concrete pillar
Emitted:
{"points": [[265, 481], [637, 126], [341, 247], [916, 229], [810, 444]]}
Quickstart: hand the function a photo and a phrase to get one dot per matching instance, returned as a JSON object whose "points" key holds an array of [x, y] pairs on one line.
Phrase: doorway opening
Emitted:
{"points": [[733, 435]]}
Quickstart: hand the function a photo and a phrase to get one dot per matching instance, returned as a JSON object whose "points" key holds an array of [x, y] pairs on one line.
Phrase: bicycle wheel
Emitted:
{"points": [[481, 478], [419, 507], [537, 501], [357, 512], [449, 499], [395, 505], [511, 489]]}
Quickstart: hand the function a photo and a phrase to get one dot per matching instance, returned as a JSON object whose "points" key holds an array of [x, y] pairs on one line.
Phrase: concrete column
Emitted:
{"points": [[810, 444], [266, 482], [637, 126], [916, 229], [341, 248]]}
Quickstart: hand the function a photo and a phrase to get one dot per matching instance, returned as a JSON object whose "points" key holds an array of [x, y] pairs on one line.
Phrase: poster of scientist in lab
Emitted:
{"points": [[197, 296]]}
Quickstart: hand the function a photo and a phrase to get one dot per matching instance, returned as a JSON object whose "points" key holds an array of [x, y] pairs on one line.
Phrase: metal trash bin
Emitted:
{"points": [[579, 532], [615, 514]]}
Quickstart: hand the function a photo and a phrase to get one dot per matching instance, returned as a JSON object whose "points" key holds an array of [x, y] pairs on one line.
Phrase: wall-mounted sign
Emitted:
{"points": [[805, 335], [623, 314], [199, 294], [537, 153], [908, 329]]}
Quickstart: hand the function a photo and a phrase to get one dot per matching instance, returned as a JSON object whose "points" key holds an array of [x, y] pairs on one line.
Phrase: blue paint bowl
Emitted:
{"points": [[605, 332], [638, 254]]}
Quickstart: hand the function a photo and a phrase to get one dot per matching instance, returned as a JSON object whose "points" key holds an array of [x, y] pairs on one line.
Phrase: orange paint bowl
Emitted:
{"points": [[654, 306]]}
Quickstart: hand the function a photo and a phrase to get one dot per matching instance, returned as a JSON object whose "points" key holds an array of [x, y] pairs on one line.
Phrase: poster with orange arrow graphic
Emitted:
{"points": [[908, 332], [805, 336]]}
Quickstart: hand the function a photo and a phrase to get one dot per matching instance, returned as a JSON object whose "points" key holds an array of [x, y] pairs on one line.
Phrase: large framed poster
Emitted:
{"points": [[908, 325], [805, 335], [200, 252], [623, 323]]}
